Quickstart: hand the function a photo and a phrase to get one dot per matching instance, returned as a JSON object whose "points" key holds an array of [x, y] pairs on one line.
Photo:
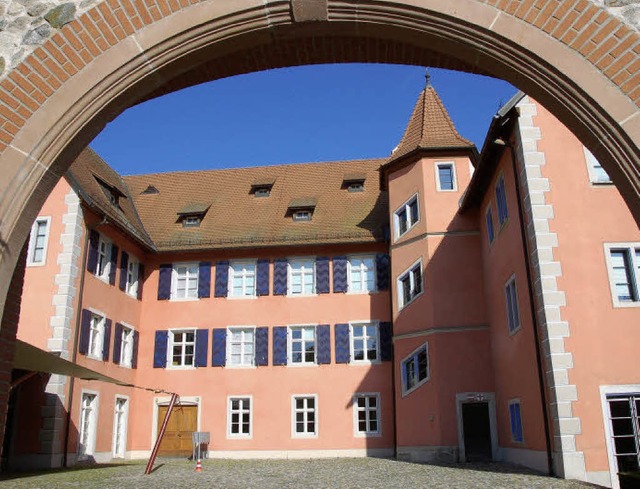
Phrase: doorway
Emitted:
{"points": [[177, 440], [476, 431]]}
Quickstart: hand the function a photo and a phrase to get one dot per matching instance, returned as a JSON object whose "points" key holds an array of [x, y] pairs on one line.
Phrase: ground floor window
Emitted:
{"points": [[120, 427], [305, 410], [239, 417], [88, 423], [367, 414], [625, 428]]}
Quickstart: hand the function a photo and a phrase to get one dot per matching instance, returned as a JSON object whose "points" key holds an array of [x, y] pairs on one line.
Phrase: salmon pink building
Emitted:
{"points": [[438, 304]]}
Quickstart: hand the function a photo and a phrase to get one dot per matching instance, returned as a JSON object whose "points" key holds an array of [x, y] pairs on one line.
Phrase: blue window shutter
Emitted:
{"points": [[386, 341], [262, 347], [106, 340], [117, 343], [340, 282], [322, 275], [343, 349], [202, 347], [160, 349], [403, 373], [262, 279], [204, 279], [124, 264], [512, 416], [92, 260], [222, 279], [382, 271], [140, 280], [219, 347], [85, 328], [164, 282], [114, 263], [136, 342], [323, 338], [280, 345], [280, 276]]}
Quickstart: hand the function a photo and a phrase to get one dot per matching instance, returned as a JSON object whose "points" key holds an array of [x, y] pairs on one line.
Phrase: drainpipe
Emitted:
{"points": [[534, 317]]}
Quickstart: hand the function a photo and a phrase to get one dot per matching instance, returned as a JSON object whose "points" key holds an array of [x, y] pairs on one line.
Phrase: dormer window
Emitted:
{"points": [[112, 193], [302, 216], [192, 214], [302, 209], [191, 221], [150, 190], [354, 182], [356, 187], [262, 192], [262, 187]]}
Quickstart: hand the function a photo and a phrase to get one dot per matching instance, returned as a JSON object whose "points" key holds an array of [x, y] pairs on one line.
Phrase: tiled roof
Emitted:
{"points": [[237, 218], [85, 174]]}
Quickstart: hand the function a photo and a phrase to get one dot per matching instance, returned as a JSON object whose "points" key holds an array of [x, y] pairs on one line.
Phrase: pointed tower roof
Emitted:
{"points": [[429, 128]]}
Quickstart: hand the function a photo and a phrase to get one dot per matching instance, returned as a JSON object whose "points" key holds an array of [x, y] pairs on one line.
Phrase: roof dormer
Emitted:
{"points": [[302, 208], [192, 214], [354, 182], [262, 187]]}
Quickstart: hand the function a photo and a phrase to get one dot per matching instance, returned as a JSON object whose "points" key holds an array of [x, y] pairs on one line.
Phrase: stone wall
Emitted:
{"points": [[25, 24]]}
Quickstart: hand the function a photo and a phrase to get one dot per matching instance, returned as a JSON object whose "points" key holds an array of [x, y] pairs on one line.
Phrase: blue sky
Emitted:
{"points": [[289, 115]]}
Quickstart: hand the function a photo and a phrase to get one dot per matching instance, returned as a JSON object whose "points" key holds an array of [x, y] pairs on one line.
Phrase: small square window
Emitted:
{"points": [[365, 342], [356, 187], [191, 221], [410, 285], [415, 369], [239, 417], [515, 416], [366, 411], [446, 177], [304, 411], [302, 345], [262, 192], [406, 216]]}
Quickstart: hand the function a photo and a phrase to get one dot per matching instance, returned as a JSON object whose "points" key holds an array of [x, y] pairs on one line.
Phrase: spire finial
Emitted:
{"points": [[427, 77]]}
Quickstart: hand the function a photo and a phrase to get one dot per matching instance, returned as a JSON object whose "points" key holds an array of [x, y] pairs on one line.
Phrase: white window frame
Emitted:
{"points": [[511, 284], [302, 216], [240, 411], [170, 345], [413, 355], [406, 207], [634, 262], [294, 411], [290, 273], [175, 277], [350, 288], [454, 177], [133, 280], [244, 275], [352, 340], [125, 430], [104, 251], [243, 330], [290, 342], [90, 446], [488, 215], [410, 273], [500, 184], [126, 346], [357, 409], [96, 334], [31, 251], [592, 165], [513, 438]]}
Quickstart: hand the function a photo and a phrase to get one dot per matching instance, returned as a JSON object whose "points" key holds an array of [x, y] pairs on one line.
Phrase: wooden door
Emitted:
{"points": [[177, 441]]}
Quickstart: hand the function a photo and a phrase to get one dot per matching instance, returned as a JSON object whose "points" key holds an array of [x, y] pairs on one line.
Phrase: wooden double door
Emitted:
{"points": [[177, 441]]}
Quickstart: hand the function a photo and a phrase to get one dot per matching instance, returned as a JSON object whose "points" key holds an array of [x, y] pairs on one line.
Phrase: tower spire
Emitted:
{"points": [[427, 77]]}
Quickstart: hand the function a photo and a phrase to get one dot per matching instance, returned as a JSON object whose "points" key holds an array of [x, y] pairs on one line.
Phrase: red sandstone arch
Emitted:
{"points": [[572, 56]]}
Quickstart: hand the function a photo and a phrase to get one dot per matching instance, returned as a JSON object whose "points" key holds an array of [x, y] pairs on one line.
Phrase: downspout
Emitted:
{"points": [[534, 317]]}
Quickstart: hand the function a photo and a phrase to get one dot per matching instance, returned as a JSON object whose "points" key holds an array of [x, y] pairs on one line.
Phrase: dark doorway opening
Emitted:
{"points": [[477, 431]]}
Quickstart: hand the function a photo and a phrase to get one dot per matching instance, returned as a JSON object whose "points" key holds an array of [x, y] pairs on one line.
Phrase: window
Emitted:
{"points": [[131, 287], [191, 221], [410, 284], [624, 272], [243, 279], [362, 274], [624, 416], [301, 216], [120, 416], [37, 251], [355, 187], [96, 335], [501, 201], [446, 177], [305, 414], [415, 369], [185, 281], [126, 348], [597, 174], [182, 345], [364, 342], [103, 267], [489, 218], [513, 311], [262, 191], [302, 345], [406, 216], [239, 417], [88, 423], [366, 411], [240, 347], [515, 416], [302, 277]]}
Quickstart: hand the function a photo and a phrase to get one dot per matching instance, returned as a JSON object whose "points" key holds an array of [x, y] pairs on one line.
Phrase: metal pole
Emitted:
{"points": [[156, 447]]}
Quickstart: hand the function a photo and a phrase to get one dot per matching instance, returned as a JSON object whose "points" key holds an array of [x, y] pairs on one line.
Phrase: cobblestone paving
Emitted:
{"points": [[280, 474]]}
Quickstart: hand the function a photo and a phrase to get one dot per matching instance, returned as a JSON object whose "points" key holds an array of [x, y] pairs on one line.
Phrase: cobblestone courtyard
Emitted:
{"points": [[308, 474]]}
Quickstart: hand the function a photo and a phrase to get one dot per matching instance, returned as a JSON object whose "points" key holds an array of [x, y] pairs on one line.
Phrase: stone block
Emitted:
{"points": [[61, 15]]}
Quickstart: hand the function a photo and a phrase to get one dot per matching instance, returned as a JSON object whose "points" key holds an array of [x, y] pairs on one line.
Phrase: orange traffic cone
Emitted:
{"points": [[198, 466]]}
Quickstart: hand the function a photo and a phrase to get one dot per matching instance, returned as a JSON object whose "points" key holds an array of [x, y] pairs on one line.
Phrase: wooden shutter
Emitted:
{"points": [[386, 341], [340, 282], [202, 347], [219, 347], [140, 280], [164, 282], [85, 331], [343, 348], [204, 280], [382, 271], [117, 343], [222, 279], [262, 278], [92, 259], [280, 276], [106, 339], [124, 264], [136, 342], [262, 347], [323, 339], [322, 275], [113, 264], [160, 349], [280, 345]]}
